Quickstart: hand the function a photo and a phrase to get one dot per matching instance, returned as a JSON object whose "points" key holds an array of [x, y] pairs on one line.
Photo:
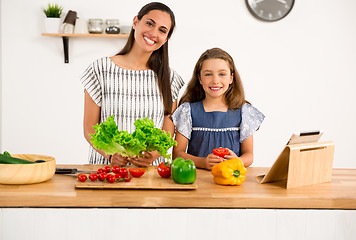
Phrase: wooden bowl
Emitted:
{"points": [[28, 173]]}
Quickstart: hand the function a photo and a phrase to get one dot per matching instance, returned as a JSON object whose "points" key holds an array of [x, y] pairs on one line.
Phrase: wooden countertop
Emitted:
{"points": [[59, 191]]}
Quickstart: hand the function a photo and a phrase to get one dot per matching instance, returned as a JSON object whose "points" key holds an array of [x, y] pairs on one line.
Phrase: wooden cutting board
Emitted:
{"points": [[149, 180]]}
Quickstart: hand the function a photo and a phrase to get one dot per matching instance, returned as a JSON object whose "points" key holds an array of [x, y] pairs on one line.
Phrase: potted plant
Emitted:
{"points": [[53, 13]]}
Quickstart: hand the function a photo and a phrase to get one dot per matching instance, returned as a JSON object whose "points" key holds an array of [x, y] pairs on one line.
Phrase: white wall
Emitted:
{"points": [[298, 71], [0, 77]]}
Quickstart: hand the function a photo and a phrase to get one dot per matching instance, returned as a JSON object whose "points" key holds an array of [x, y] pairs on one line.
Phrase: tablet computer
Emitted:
{"points": [[305, 137]]}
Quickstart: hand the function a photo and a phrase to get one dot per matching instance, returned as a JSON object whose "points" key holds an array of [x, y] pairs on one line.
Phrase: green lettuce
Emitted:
{"points": [[146, 137]]}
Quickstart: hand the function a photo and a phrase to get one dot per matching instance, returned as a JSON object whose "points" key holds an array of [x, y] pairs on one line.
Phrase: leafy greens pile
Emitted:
{"points": [[146, 137]]}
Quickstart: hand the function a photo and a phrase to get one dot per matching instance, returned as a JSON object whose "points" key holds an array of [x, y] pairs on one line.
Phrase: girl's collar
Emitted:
{"points": [[217, 110]]}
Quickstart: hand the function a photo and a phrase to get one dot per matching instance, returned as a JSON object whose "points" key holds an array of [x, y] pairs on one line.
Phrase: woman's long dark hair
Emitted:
{"points": [[159, 61]]}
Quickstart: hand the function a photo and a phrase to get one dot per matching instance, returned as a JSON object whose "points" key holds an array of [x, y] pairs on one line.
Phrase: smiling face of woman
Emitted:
{"points": [[151, 32]]}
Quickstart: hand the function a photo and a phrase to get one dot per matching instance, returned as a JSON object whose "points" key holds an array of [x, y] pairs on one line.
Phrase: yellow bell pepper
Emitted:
{"points": [[229, 172]]}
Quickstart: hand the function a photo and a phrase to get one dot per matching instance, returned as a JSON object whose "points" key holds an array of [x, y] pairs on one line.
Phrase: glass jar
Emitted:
{"points": [[96, 26], [112, 26]]}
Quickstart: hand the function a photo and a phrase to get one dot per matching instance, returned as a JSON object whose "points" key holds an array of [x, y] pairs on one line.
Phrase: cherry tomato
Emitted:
{"points": [[82, 177], [93, 176], [118, 176], [111, 178], [136, 172], [164, 169], [107, 169], [221, 152], [100, 170], [128, 179], [123, 172], [102, 176], [115, 169]]}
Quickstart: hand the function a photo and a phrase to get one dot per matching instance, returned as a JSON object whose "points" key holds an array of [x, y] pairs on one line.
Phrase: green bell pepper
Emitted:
{"points": [[183, 171]]}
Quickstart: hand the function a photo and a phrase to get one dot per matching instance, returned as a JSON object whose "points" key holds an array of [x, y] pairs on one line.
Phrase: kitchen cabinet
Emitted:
{"points": [[65, 38], [251, 211]]}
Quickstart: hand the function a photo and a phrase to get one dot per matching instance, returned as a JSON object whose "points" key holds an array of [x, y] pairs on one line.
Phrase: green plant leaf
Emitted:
{"points": [[53, 11], [146, 137]]}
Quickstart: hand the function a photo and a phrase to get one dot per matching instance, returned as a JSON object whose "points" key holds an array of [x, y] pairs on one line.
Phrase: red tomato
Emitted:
{"points": [[118, 176], [102, 176], [123, 172], [221, 152], [136, 172], [82, 177], [115, 169], [164, 169], [107, 169], [100, 170], [128, 179], [93, 176], [111, 178]]}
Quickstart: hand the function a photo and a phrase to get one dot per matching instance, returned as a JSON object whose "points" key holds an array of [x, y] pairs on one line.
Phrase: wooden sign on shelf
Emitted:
{"points": [[302, 164]]}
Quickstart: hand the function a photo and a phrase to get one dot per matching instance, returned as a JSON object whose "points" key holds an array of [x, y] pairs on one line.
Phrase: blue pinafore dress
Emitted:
{"points": [[212, 130], [208, 130]]}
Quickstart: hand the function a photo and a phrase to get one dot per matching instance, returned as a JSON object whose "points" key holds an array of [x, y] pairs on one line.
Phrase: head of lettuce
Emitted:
{"points": [[146, 137]]}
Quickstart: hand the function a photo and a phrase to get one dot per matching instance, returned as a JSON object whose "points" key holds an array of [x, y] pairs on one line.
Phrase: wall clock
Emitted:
{"points": [[270, 10]]}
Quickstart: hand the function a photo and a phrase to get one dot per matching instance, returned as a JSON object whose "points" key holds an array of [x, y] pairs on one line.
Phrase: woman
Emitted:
{"points": [[135, 83]]}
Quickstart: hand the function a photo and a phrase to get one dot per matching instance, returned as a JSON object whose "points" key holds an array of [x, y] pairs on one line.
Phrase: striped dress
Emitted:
{"points": [[126, 94]]}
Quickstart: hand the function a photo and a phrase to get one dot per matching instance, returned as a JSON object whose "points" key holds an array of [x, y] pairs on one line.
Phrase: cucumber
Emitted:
{"points": [[6, 153], [4, 159]]}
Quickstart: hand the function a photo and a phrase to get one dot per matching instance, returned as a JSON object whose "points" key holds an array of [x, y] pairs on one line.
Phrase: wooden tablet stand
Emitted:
{"points": [[302, 164]]}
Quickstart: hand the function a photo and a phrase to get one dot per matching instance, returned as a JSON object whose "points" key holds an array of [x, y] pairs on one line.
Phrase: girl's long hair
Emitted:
{"points": [[235, 94], [159, 61]]}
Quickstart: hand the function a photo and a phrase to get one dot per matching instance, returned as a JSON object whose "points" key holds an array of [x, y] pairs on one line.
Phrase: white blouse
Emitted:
{"points": [[127, 94]]}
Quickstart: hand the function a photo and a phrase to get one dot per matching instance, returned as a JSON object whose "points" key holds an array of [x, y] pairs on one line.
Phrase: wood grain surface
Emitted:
{"points": [[149, 180], [60, 191], [28, 173]]}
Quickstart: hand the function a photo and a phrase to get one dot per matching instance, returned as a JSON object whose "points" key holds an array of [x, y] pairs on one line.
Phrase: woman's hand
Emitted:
{"points": [[211, 160], [231, 155], [146, 160], [118, 160]]}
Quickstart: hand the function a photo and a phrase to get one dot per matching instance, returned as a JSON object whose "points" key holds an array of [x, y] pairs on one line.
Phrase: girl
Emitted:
{"points": [[213, 113], [135, 83]]}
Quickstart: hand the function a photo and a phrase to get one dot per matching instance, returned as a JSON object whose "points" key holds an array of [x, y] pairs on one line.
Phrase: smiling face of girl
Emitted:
{"points": [[151, 32], [215, 78]]}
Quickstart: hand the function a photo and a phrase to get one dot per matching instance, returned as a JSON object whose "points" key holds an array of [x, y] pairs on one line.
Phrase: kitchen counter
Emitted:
{"points": [[60, 191]]}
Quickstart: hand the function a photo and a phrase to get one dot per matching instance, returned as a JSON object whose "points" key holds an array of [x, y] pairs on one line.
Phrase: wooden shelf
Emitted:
{"points": [[65, 37], [102, 35]]}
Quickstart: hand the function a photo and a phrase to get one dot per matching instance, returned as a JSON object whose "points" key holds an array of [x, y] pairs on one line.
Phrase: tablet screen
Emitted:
{"points": [[305, 137]]}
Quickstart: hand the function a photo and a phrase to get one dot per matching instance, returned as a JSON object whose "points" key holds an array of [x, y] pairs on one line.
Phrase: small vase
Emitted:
{"points": [[52, 25]]}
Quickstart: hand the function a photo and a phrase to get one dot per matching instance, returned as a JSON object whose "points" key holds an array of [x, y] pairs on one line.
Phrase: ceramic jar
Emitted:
{"points": [[96, 26], [112, 26]]}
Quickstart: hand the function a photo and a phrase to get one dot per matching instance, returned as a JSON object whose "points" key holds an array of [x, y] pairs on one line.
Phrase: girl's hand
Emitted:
{"points": [[146, 160], [231, 155], [211, 160], [119, 160]]}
